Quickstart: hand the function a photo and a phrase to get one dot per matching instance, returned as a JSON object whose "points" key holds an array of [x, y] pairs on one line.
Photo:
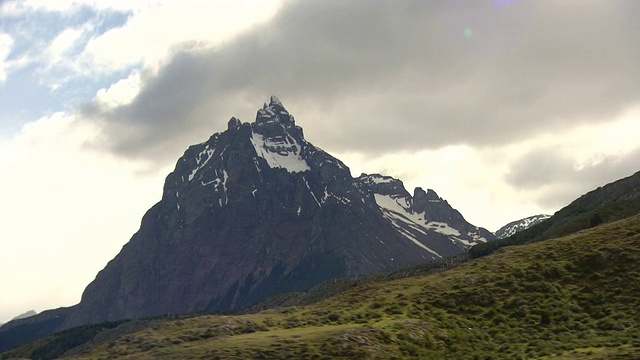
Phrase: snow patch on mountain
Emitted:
{"points": [[413, 239], [398, 212], [443, 228], [201, 160], [519, 225], [280, 152], [398, 205], [311, 191], [477, 238]]}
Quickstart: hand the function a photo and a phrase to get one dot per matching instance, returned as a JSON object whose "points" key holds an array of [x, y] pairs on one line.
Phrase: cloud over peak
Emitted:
{"points": [[401, 75]]}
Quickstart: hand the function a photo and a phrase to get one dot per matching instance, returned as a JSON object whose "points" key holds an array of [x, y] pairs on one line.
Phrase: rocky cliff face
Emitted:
{"points": [[424, 218], [257, 210]]}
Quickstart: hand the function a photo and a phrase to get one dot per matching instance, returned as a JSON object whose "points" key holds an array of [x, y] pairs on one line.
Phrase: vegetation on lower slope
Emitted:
{"points": [[612, 202], [576, 297], [338, 286]]}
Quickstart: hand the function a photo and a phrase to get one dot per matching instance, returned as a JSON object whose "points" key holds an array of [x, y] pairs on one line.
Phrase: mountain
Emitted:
{"points": [[257, 210], [423, 216], [22, 331], [566, 298], [519, 225], [617, 200], [27, 314]]}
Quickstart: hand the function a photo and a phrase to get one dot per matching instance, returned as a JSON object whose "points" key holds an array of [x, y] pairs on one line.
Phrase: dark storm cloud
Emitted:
{"points": [[397, 75], [560, 182]]}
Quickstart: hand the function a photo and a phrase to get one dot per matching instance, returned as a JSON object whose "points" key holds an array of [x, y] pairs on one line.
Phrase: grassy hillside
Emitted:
{"points": [[612, 202], [576, 297]]}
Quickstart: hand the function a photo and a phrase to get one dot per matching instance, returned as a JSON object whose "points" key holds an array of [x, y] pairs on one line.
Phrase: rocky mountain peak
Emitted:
{"points": [[274, 113], [257, 210], [233, 124], [432, 196], [384, 185], [274, 100], [26, 315], [422, 200], [278, 140]]}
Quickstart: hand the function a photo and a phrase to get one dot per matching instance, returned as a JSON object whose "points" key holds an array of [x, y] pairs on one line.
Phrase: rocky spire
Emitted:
{"points": [[275, 101], [274, 112], [233, 124]]}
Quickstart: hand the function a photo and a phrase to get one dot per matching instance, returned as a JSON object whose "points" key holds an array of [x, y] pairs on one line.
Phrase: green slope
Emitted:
{"points": [[576, 297], [617, 200]]}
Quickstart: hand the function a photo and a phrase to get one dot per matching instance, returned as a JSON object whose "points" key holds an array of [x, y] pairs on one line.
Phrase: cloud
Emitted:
{"points": [[494, 185], [145, 37], [63, 43], [470, 179], [6, 44], [397, 76], [66, 211], [120, 93], [557, 179], [16, 8]]}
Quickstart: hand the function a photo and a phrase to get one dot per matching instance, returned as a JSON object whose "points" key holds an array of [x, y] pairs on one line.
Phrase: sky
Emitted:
{"points": [[505, 108]]}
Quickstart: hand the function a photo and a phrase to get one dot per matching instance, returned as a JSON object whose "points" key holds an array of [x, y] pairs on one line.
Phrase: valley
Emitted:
{"points": [[565, 298]]}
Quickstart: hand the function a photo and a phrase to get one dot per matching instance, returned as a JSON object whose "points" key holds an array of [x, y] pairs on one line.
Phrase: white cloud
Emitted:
{"points": [[468, 178], [479, 181], [153, 30], [61, 61], [63, 43], [66, 212], [120, 93], [64, 6], [6, 44]]}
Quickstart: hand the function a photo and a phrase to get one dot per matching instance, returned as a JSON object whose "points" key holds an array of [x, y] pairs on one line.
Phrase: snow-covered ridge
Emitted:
{"points": [[282, 152], [415, 226], [401, 209], [520, 225], [398, 211], [376, 179], [399, 205]]}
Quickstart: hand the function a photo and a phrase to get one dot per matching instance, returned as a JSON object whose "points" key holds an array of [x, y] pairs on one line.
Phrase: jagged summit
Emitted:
{"points": [[274, 100], [257, 210], [274, 113], [233, 124], [430, 195], [376, 178], [385, 185]]}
